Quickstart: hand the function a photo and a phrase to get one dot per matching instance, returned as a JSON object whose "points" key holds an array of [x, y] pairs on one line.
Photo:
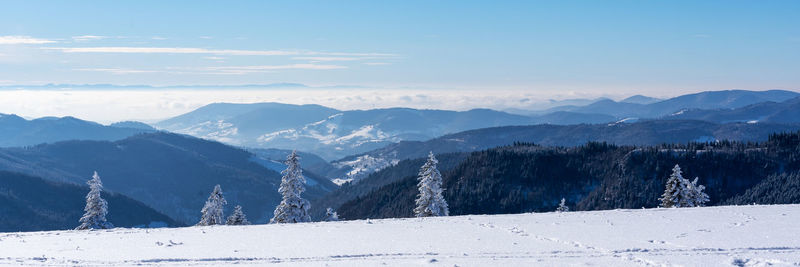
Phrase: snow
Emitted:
{"points": [[627, 120], [340, 181], [361, 167], [708, 236], [326, 133], [220, 130], [679, 112]]}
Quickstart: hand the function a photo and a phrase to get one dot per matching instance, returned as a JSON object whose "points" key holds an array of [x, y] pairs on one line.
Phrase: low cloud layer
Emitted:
{"points": [[153, 105]]}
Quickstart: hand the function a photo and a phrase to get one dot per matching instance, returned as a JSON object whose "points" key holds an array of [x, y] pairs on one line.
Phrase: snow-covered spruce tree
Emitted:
{"points": [[430, 201], [238, 217], [562, 207], [697, 196], [212, 211], [96, 207], [293, 208], [676, 194], [331, 216]]}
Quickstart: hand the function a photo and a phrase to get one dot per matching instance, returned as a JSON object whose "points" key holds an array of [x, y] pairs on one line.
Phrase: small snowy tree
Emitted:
{"points": [[430, 201], [96, 207], [212, 211], [331, 216], [293, 208], [562, 207], [679, 192], [697, 196], [238, 217]]}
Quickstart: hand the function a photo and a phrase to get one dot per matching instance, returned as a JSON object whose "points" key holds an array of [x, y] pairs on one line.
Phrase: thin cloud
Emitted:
{"points": [[18, 39], [192, 50], [271, 68], [116, 70], [377, 63], [158, 38], [328, 58], [84, 38], [229, 70], [172, 50]]}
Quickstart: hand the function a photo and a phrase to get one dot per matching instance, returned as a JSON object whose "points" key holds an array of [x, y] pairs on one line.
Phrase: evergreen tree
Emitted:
{"points": [[562, 207], [238, 217], [677, 193], [212, 211], [331, 216], [96, 207], [696, 194], [293, 208], [430, 201]]}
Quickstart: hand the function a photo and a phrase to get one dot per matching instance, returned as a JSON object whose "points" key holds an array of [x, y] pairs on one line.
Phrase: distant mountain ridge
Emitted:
{"points": [[327, 132], [702, 100], [16, 131], [640, 99], [337, 135], [333, 134], [765, 112]]}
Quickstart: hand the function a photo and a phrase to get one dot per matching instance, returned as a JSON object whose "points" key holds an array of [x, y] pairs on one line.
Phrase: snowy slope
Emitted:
{"points": [[716, 236], [329, 133]]}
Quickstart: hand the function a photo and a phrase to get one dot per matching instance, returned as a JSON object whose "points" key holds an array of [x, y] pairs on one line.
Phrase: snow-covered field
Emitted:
{"points": [[714, 236]]}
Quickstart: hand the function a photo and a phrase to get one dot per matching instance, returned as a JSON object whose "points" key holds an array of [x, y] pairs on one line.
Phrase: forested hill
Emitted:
{"points": [[526, 177], [171, 173], [640, 133], [30, 203]]}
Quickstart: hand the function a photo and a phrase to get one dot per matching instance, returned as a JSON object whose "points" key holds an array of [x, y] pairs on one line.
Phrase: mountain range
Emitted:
{"points": [[171, 173], [650, 132], [166, 175], [765, 112], [333, 134], [327, 132], [704, 100], [336, 136], [16, 131]]}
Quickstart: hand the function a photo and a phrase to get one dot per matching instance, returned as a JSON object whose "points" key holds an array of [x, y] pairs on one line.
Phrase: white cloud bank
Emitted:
{"points": [[152, 105], [18, 39]]}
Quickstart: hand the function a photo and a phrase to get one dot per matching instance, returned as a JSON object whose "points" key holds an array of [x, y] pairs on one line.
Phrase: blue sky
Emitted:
{"points": [[567, 48], [574, 45]]}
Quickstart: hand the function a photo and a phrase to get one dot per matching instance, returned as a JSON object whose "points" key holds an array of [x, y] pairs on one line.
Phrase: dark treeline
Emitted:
{"points": [[525, 177]]}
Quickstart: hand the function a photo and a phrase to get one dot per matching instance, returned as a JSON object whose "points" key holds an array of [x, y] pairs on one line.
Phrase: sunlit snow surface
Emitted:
{"points": [[716, 236]]}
